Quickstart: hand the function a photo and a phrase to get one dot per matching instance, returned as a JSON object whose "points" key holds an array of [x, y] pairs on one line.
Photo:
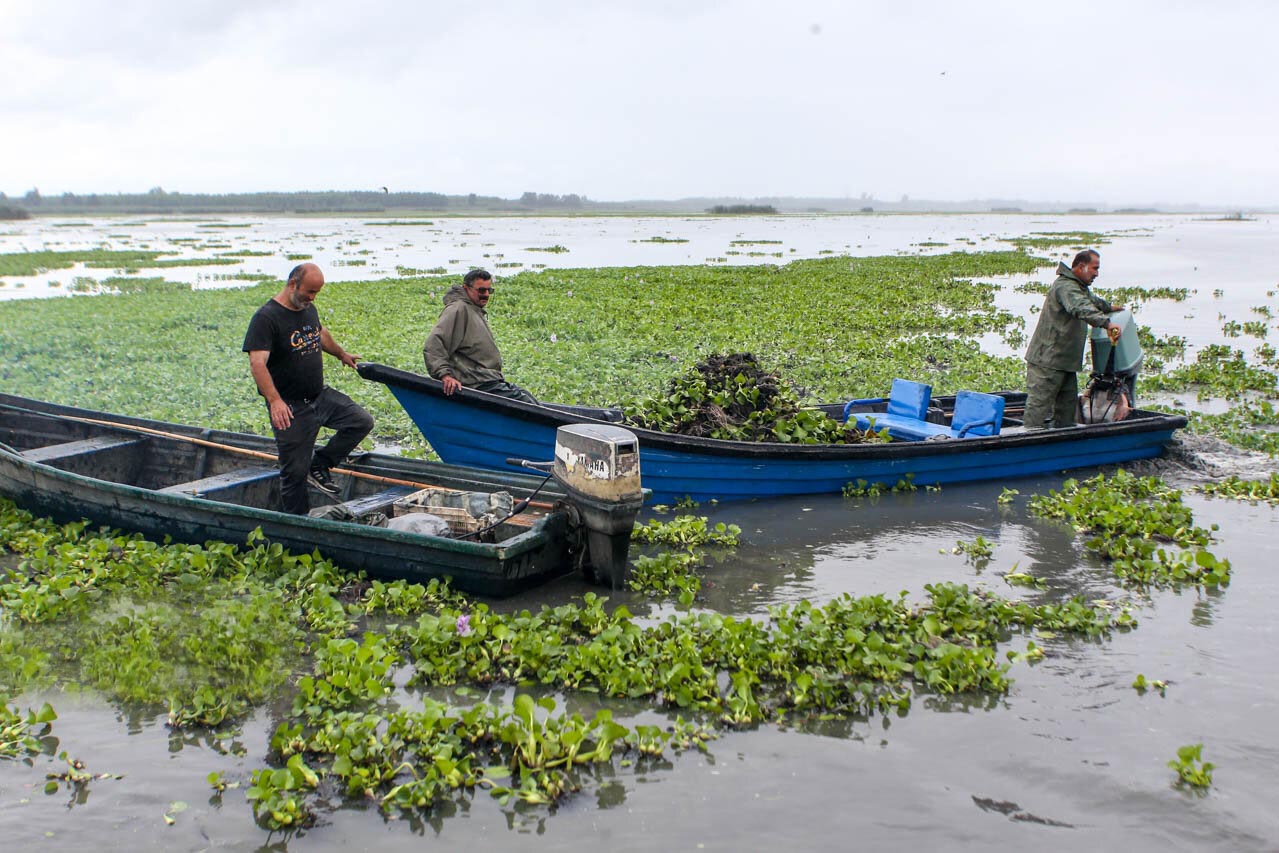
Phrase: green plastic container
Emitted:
{"points": [[1127, 350]]}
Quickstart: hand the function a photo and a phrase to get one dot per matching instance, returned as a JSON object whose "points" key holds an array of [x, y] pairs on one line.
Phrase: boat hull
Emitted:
{"points": [[481, 430], [544, 550]]}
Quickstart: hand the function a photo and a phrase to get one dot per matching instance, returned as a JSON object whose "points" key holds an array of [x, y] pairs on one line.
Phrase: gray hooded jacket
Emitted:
{"points": [[461, 344]]}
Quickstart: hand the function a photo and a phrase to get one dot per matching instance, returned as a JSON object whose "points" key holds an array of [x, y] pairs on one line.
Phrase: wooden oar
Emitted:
{"points": [[244, 451]]}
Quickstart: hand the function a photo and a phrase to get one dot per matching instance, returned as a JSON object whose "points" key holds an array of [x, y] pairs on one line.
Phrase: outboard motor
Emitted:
{"points": [[1111, 390], [599, 467]]}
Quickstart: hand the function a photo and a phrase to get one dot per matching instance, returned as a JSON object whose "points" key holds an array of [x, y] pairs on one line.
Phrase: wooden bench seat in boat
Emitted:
{"points": [[51, 454], [220, 483], [117, 458]]}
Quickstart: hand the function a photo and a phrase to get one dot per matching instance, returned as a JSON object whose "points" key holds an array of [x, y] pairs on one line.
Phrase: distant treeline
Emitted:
{"points": [[742, 208], [381, 201], [157, 200]]}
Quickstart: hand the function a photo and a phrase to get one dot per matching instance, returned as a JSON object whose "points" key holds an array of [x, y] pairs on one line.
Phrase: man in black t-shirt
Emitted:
{"points": [[285, 343]]}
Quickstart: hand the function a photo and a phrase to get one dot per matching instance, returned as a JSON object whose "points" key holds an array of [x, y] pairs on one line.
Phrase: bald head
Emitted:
{"points": [[302, 271], [305, 281]]}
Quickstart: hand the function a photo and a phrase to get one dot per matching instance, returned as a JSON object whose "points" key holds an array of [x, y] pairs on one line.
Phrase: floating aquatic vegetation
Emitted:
{"points": [[687, 531], [1248, 424], [1139, 525], [1165, 347], [1141, 685], [413, 272], [120, 284], [849, 656], [23, 735], [1245, 490], [1191, 769], [668, 573], [204, 630], [1016, 578], [978, 551], [276, 794], [674, 573], [1218, 371], [1056, 239], [1136, 295], [863, 489], [33, 263]]}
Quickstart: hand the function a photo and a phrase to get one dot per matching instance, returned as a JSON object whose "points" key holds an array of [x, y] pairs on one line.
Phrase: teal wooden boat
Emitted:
{"points": [[195, 485]]}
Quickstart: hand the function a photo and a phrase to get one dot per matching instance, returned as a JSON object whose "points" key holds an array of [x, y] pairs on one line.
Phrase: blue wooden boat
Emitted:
{"points": [[196, 485], [483, 430]]}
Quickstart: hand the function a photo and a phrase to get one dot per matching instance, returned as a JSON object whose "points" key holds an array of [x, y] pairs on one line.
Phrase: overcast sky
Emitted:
{"points": [[1112, 102]]}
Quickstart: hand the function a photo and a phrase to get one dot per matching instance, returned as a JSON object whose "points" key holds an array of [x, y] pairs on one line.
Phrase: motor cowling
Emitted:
{"points": [[598, 466]]}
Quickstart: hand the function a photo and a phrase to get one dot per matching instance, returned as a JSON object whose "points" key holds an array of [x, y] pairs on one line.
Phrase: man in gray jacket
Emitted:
{"points": [[460, 350], [1057, 348]]}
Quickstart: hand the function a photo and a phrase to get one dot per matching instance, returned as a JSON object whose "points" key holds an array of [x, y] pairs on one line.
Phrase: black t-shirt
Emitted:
{"points": [[293, 339]]}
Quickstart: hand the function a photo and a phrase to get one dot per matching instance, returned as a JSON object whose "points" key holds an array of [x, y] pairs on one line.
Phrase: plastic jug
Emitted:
{"points": [[1127, 350]]}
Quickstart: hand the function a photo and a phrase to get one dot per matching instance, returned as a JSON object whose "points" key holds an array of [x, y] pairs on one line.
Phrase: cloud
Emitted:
{"points": [[659, 99]]}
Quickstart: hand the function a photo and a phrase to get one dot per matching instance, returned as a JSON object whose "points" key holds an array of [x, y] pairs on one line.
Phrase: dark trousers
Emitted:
{"points": [[1050, 394], [506, 389], [296, 445]]}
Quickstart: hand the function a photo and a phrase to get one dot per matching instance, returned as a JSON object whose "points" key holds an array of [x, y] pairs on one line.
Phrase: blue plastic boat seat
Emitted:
{"points": [[906, 413], [906, 429], [976, 414], [909, 399]]}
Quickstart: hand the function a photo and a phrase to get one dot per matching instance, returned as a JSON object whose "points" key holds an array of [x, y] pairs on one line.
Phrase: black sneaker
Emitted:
{"points": [[320, 479]]}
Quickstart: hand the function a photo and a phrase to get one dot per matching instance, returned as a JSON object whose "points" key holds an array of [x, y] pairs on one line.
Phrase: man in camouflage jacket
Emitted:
{"points": [[1057, 348]]}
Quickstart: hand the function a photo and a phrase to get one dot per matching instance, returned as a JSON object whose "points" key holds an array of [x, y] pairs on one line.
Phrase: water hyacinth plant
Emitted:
{"points": [[1139, 525]]}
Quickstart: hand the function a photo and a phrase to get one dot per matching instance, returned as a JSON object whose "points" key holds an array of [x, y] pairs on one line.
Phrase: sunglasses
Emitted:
{"points": [[483, 291]]}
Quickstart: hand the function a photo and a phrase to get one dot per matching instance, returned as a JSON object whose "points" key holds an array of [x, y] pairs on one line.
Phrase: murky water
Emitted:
{"points": [[1073, 758]]}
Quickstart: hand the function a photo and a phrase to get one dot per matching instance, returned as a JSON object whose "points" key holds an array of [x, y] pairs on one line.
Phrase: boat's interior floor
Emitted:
{"points": [[180, 465]]}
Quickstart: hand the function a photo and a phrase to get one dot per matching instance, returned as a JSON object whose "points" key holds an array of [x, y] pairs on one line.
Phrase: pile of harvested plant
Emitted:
{"points": [[733, 397]]}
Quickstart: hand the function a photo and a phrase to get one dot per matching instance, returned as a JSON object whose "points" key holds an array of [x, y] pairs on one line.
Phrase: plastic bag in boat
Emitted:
{"points": [[422, 523]]}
